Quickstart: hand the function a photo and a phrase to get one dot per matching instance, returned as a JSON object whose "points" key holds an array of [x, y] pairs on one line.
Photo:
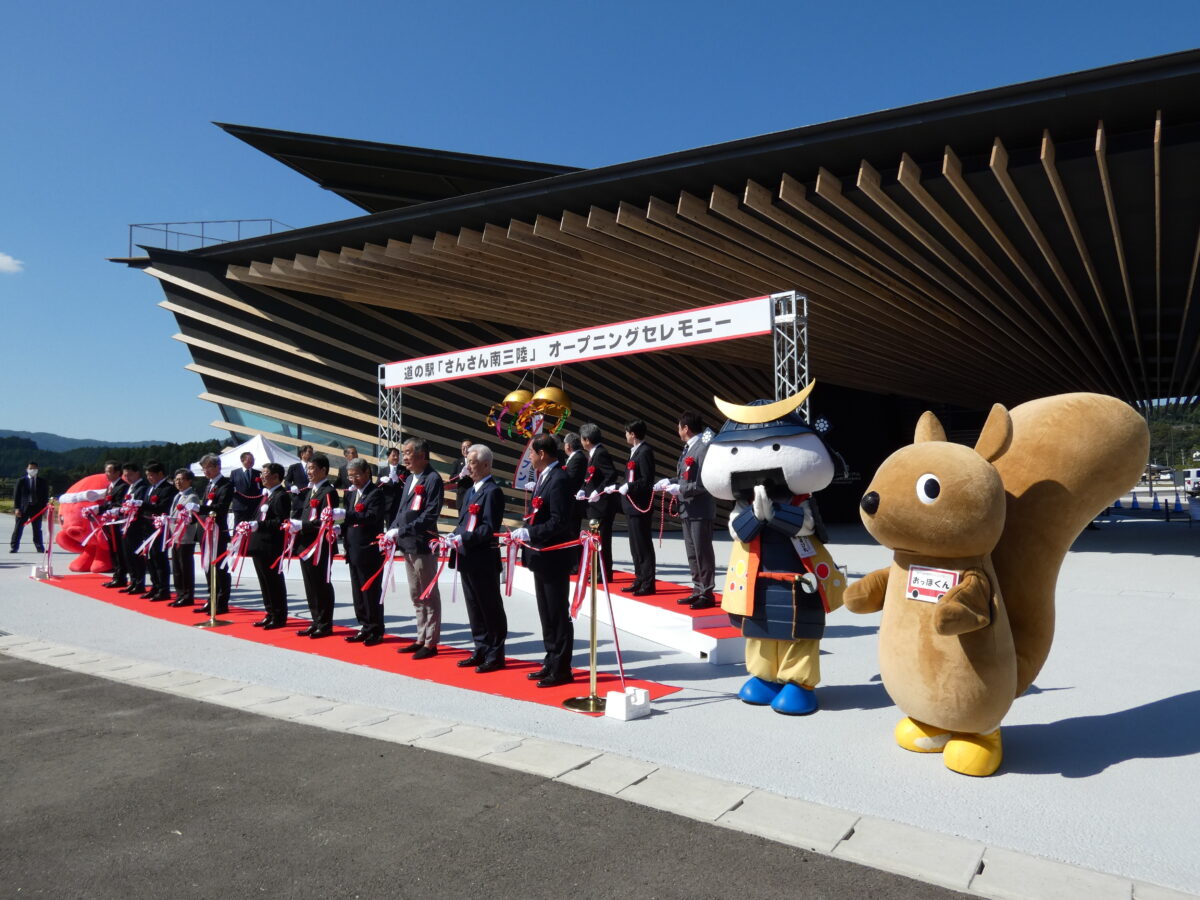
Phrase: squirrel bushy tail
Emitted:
{"points": [[1071, 455]]}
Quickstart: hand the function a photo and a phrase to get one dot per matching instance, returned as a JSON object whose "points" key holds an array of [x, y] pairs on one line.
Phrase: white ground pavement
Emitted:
{"points": [[1097, 795]]}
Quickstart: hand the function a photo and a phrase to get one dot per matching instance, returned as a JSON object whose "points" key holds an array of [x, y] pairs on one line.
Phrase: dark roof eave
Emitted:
{"points": [[571, 188]]}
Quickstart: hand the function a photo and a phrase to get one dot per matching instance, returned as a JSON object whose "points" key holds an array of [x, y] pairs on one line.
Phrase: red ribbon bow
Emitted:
{"points": [[688, 462], [359, 507], [314, 503], [631, 465], [211, 496], [591, 470], [474, 508], [418, 488]]}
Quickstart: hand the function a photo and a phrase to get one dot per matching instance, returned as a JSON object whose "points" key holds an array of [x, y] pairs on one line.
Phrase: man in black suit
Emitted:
{"points": [[306, 522], [548, 523], [247, 489], [366, 519], [134, 530], [266, 546], [391, 479], [413, 526], [697, 509], [30, 497], [183, 554], [114, 496], [296, 479], [637, 499], [599, 475], [460, 479], [214, 509], [477, 558], [576, 468], [158, 503]]}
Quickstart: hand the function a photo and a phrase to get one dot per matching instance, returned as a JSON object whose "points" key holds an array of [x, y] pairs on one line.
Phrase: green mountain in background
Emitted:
{"points": [[56, 442]]}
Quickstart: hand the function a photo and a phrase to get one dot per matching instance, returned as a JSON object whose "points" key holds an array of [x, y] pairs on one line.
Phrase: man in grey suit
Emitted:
{"points": [[697, 509], [183, 554]]}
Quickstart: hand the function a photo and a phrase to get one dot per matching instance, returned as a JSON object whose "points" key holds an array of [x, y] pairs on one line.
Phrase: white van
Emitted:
{"points": [[1191, 480]]}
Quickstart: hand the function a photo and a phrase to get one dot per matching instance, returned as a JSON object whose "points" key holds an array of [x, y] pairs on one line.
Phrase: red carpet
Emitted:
{"points": [[509, 682]]}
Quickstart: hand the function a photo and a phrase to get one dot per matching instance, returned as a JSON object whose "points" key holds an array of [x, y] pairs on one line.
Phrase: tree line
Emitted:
{"points": [[63, 469]]}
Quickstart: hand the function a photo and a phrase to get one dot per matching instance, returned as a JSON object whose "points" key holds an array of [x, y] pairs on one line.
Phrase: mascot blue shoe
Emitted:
{"points": [[757, 692], [794, 700]]}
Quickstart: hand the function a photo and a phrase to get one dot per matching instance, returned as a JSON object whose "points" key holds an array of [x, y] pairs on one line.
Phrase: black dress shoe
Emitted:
{"points": [[113, 583], [275, 623], [630, 588], [203, 609], [425, 652], [704, 603], [470, 662], [555, 680], [411, 648], [306, 632], [262, 623], [357, 638], [644, 592], [134, 589], [160, 597], [323, 632], [538, 675], [688, 601], [494, 665], [150, 594], [182, 601], [372, 640]]}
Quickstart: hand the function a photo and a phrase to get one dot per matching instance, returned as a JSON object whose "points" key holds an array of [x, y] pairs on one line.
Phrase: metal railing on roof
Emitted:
{"points": [[200, 233]]}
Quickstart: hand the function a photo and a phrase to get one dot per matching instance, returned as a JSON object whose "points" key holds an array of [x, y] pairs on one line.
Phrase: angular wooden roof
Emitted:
{"points": [[997, 246]]}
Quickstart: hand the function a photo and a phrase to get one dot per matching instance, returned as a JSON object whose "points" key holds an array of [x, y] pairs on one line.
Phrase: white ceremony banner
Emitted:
{"points": [[686, 328]]}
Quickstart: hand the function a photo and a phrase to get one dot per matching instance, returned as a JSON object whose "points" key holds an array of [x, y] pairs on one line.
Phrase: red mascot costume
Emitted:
{"points": [[75, 526]]}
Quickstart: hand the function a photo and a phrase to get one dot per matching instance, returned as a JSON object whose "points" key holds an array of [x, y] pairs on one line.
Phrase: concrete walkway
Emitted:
{"points": [[1101, 755]]}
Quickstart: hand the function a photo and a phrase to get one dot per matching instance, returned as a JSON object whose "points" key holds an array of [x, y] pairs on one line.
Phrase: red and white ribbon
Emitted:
{"points": [[387, 549], [289, 542], [160, 531], [235, 554], [324, 535], [96, 521], [441, 546]]}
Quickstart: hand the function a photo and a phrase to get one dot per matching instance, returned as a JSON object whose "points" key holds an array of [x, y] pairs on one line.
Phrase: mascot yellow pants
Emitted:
{"points": [[783, 661]]}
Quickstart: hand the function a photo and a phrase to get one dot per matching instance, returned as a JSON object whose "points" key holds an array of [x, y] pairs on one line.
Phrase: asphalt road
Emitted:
{"points": [[117, 791]]}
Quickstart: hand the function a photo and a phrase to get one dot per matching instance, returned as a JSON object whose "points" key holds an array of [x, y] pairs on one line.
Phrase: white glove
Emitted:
{"points": [[580, 495], [254, 526], [611, 488], [339, 514], [392, 534], [337, 531], [92, 509], [522, 535], [293, 526], [135, 502], [192, 506], [661, 484], [530, 485], [456, 541], [763, 507], [293, 490], [623, 490], [593, 496], [673, 489]]}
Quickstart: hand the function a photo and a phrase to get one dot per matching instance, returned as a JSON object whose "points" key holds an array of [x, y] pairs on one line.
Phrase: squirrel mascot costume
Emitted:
{"points": [[979, 536], [780, 581]]}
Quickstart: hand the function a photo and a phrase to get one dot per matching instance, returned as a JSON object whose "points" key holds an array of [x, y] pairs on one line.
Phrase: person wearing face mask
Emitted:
{"points": [[30, 497]]}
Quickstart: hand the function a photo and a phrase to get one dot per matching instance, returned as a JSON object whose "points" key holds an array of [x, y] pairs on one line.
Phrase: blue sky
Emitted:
{"points": [[106, 112]]}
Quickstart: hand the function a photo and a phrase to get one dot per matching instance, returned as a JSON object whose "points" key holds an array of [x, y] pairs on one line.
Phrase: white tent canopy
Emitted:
{"points": [[264, 452]]}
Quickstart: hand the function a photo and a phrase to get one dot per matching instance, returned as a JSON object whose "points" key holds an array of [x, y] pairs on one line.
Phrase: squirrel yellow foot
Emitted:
{"points": [[919, 737], [973, 754]]}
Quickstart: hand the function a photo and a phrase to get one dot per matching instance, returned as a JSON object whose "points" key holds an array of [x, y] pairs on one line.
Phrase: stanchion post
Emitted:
{"points": [[593, 703], [213, 621]]}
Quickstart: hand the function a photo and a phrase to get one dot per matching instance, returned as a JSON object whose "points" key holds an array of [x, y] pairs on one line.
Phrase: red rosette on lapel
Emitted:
{"points": [[418, 497], [536, 503], [473, 510], [211, 496], [360, 507], [688, 463], [630, 468]]}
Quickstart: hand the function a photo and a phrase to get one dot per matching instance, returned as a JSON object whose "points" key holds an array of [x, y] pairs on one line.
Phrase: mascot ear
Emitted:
{"points": [[996, 435], [929, 428]]}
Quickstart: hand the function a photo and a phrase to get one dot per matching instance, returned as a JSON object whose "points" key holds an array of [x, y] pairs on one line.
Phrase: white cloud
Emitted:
{"points": [[10, 266]]}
